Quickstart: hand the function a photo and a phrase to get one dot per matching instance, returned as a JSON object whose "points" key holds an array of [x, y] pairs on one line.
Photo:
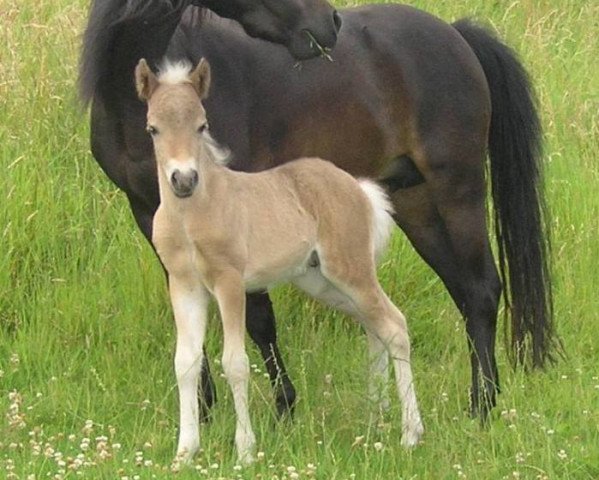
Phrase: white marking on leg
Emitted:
{"points": [[398, 344], [237, 370], [190, 305], [382, 319], [230, 295], [378, 379]]}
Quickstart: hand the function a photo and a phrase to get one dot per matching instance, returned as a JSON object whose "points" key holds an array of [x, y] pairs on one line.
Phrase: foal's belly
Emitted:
{"points": [[277, 266]]}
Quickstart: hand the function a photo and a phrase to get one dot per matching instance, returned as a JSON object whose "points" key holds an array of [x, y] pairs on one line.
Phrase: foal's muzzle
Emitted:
{"points": [[184, 183]]}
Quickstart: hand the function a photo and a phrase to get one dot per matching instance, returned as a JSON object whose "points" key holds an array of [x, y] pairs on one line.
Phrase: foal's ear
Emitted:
{"points": [[145, 80], [200, 78]]}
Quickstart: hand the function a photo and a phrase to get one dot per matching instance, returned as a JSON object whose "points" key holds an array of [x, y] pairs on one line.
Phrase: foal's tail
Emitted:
{"points": [[515, 148], [382, 220]]}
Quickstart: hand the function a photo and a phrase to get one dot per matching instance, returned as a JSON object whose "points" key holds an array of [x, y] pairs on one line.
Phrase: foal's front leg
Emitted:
{"points": [[230, 295], [190, 305]]}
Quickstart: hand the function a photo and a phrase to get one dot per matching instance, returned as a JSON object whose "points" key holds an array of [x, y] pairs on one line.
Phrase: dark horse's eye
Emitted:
{"points": [[151, 130], [203, 128]]}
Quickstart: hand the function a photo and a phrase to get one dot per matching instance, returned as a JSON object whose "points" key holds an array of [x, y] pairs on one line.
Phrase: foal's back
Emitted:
{"points": [[294, 211]]}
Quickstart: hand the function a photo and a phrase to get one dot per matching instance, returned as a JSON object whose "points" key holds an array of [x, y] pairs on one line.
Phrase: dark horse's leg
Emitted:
{"points": [[260, 324], [207, 392], [444, 219]]}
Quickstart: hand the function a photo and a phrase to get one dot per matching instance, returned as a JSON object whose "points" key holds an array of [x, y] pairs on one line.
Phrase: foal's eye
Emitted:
{"points": [[151, 130], [203, 128]]}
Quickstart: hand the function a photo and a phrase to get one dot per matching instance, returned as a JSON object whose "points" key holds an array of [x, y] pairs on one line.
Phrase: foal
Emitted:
{"points": [[223, 233]]}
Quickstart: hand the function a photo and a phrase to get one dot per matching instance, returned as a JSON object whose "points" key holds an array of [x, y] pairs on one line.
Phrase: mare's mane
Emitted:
{"points": [[106, 19]]}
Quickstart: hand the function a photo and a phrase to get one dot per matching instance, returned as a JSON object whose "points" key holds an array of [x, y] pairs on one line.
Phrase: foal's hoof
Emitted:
{"points": [[412, 435], [245, 443], [183, 458], [246, 459]]}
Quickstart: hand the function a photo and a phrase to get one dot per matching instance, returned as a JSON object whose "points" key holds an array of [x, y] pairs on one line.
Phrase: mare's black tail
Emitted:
{"points": [[515, 149]]}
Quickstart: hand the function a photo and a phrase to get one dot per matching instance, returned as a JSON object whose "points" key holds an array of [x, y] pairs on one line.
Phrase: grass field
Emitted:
{"points": [[87, 386]]}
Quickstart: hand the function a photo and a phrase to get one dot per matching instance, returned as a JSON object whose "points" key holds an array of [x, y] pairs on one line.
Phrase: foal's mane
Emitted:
{"points": [[106, 19]]}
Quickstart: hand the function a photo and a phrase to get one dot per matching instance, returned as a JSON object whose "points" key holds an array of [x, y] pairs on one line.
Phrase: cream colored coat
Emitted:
{"points": [[220, 233]]}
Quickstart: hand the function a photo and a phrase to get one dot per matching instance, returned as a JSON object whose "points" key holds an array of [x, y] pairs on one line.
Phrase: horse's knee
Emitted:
{"points": [[188, 361], [390, 326], [236, 366]]}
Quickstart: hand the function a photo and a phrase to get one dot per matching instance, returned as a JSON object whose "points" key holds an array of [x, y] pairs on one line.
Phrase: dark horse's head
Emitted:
{"points": [[305, 27]]}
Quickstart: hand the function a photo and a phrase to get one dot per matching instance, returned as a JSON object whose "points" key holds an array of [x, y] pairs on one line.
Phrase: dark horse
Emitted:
{"points": [[409, 100]]}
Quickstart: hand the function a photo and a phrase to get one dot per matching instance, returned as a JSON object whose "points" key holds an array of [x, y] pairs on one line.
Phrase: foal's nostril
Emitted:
{"points": [[184, 183], [176, 179], [193, 179], [337, 20]]}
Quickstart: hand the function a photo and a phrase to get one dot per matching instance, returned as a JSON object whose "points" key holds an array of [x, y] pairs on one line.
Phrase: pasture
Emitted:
{"points": [[87, 386]]}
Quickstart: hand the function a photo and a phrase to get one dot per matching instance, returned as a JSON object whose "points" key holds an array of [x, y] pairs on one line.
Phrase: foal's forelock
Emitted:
{"points": [[174, 73], [178, 73]]}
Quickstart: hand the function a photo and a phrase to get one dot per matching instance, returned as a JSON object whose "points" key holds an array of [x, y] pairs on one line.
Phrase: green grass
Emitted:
{"points": [[86, 330]]}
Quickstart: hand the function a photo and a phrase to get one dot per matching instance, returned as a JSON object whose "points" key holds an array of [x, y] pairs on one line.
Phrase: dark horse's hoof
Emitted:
{"points": [[285, 401], [482, 405]]}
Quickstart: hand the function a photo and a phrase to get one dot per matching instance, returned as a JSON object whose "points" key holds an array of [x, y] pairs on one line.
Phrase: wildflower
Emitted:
{"points": [[87, 429], [14, 361], [84, 445], [562, 455]]}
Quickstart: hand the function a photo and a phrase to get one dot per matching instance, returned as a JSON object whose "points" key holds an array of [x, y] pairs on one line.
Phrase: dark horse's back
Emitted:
{"points": [[392, 65]]}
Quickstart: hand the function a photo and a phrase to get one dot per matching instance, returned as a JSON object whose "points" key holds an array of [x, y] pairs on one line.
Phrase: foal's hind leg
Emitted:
{"points": [[384, 321], [318, 287], [356, 279], [378, 378], [445, 221]]}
